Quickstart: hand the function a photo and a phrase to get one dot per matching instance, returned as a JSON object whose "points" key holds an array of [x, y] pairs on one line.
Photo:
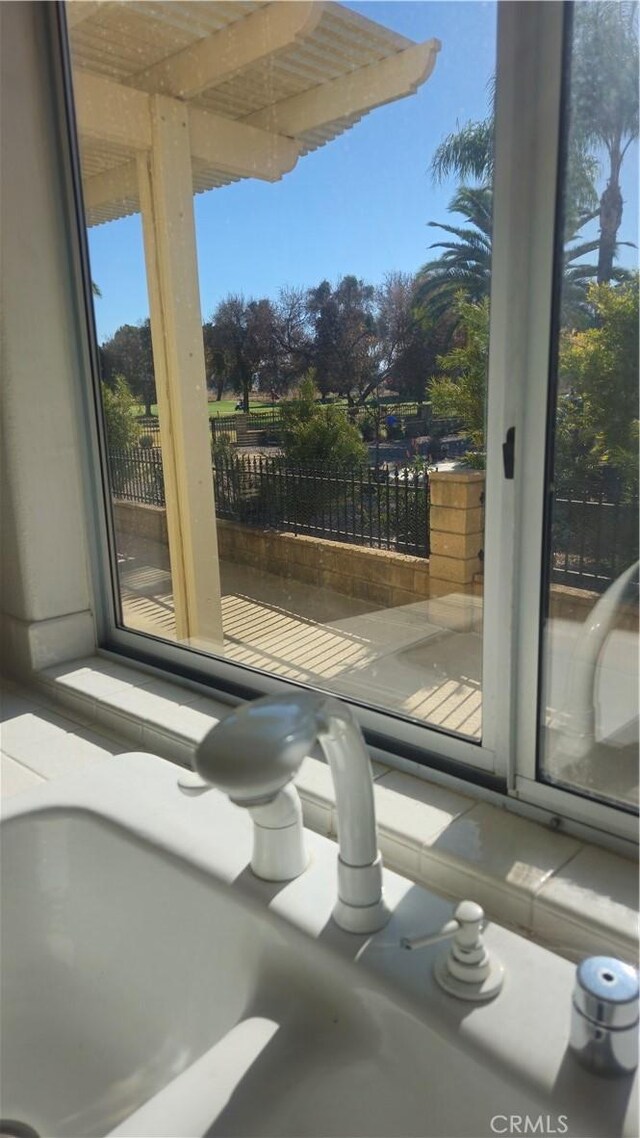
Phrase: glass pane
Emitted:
{"points": [[589, 730], [294, 362]]}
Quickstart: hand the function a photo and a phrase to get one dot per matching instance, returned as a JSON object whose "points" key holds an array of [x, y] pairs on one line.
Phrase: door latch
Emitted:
{"points": [[508, 452]]}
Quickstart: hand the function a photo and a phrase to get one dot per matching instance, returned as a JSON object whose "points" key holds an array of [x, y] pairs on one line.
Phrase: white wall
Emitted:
{"points": [[45, 594]]}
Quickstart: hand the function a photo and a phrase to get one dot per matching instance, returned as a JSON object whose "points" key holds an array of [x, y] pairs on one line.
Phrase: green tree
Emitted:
{"points": [[407, 345], [214, 361], [279, 343], [231, 346], [128, 353], [467, 153], [459, 391], [343, 329], [597, 428], [119, 405], [291, 336], [318, 436], [254, 343]]}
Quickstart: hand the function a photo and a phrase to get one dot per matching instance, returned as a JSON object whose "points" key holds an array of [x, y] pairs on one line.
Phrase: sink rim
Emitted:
{"points": [[139, 793]]}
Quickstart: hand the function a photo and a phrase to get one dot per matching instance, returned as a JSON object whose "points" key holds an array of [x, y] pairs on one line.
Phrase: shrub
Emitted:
{"points": [[222, 448], [319, 435], [597, 422], [120, 406]]}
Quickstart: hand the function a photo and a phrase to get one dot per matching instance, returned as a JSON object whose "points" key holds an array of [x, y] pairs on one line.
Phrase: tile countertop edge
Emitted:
{"points": [[439, 838]]}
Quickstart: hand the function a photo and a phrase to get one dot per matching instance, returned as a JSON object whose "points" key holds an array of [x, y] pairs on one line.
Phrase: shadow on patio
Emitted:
{"points": [[421, 659]]}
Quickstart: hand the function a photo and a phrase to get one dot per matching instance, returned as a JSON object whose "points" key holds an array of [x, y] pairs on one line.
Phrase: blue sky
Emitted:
{"points": [[358, 205]]}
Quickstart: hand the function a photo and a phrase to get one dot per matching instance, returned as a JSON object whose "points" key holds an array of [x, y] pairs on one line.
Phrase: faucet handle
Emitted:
{"points": [[604, 1016], [258, 747], [467, 970]]}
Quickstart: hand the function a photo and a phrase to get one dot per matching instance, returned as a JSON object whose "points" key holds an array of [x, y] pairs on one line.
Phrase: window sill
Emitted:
{"points": [[564, 893]]}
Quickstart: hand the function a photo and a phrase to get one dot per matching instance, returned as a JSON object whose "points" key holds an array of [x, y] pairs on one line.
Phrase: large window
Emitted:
{"points": [[332, 249], [297, 479]]}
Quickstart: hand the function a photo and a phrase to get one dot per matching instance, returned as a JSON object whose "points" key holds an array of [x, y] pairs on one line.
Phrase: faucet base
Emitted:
{"points": [[279, 852], [360, 907], [361, 918]]}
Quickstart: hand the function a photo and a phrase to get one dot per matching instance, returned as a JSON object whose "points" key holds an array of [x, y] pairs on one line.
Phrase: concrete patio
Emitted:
{"points": [[421, 659]]}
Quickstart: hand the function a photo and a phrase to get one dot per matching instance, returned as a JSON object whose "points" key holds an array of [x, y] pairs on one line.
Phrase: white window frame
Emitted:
{"points": [[529, 551], [528, 114]]}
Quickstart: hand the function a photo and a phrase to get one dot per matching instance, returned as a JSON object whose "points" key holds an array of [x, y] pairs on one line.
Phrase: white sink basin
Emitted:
{"points": [[153, 987]]}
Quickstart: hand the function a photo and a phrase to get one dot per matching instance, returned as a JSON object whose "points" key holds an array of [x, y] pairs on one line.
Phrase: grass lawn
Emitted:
{"points": [[228, 407]]}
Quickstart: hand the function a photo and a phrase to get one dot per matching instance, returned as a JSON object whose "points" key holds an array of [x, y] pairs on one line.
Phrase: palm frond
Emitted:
{"points": [[467, 152]]}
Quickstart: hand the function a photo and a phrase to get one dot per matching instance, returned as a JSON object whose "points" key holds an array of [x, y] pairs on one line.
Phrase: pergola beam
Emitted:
{"points": [[107, 112], [238, 148], [352, 94], [117, 184], [111, 113], [208, 62]]}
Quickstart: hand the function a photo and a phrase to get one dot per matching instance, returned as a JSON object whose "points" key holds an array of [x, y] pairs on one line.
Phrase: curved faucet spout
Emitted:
{"points": [[341, 740], [253, 755], [360, 906]]}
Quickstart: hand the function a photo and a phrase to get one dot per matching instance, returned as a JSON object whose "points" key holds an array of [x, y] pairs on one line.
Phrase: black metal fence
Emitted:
{"points": [[136, 475], [240, 428], [594, 538], [379, 507]]}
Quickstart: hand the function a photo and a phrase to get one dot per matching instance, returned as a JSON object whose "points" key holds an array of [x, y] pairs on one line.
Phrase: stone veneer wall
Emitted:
{"points": [[374, 575]]}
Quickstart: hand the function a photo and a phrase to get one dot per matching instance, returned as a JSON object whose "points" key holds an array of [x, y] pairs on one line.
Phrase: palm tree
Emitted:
{"points": [[466, 153], [604, 97], [465, 263], [604, 107], [464, 266]]}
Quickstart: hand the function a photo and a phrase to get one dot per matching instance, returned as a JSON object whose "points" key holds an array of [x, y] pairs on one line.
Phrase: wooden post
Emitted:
{"points": [[166, 200]]}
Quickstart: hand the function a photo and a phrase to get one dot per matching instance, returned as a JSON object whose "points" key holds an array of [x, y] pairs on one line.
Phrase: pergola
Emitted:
{"points": [[173, 98]]}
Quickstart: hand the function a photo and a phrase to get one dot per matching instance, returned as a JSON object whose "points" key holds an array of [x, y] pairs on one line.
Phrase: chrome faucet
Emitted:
{"points": [[254, 754], [604, 1016]]}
